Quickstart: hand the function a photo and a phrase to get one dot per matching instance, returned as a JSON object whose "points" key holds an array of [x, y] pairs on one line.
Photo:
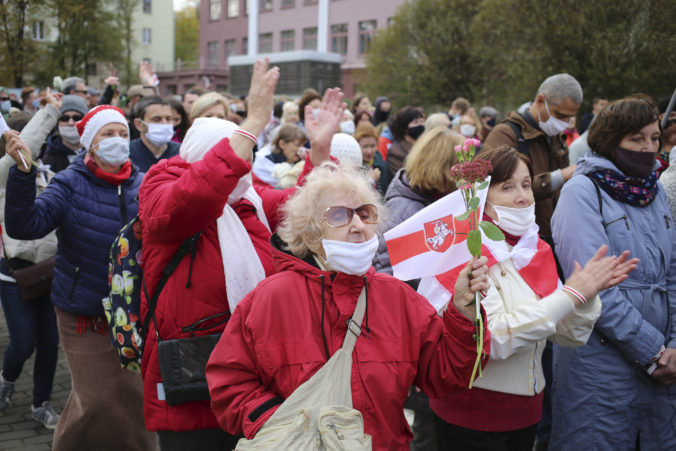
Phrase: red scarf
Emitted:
{"points": [[114, 179]]}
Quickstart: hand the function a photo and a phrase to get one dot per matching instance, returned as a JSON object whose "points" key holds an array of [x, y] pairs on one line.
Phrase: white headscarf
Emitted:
{"points": [[243, 268]]}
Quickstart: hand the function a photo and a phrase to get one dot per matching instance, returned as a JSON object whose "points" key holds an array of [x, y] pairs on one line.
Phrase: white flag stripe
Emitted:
{"points": [[431, 263]]}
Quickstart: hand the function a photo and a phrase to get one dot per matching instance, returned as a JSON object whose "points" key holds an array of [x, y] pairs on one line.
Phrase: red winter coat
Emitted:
{"points": [[177, 200], [273, 343]]}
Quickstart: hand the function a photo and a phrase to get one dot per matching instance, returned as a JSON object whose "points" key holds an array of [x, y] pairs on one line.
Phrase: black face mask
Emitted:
{"points": [[416, 131], [380, 116], [634, 164], [491, 122]]}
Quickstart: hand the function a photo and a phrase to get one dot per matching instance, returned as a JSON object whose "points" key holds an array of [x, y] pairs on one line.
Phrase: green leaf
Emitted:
{"points": [[474, 203], [483, 185], [463, 216], [474, 243], [492, 231]]}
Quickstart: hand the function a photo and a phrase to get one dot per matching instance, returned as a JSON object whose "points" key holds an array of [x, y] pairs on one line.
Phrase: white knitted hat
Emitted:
{"points": [[346, 149], [97, 118]]}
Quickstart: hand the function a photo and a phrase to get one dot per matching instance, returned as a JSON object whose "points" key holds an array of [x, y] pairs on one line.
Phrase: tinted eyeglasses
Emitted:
{"points": [[68, 117], [341, 216]]}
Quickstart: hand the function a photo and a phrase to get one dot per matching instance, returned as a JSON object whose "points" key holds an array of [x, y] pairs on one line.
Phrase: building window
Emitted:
{"points": [[339, 38], [288, 3], [233, 8], [147, 6], [39, 31], [147, 35], [309, 2], [245, 45], [287, 40], [212, 52], [310, 38], [367, 29], [246, 7], [265, 43], [230, 48], [214, 9], [264, 5]]}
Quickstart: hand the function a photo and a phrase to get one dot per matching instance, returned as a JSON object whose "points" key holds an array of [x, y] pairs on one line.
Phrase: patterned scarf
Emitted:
{"points": [[635, 191]]}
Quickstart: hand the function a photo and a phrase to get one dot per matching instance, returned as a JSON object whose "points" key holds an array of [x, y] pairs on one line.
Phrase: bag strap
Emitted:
{"points": [[4, 253], [521, 144], [598, 194], [186, 247], [354, 323]]}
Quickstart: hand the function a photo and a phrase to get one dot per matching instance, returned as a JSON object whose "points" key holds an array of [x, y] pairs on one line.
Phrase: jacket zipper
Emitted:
{"points": [[75, 277], [626, 222], [535, 373], [123, 205]]}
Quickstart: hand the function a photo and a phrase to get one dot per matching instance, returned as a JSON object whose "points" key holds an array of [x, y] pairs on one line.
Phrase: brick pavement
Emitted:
{"points": [[17, 430]]}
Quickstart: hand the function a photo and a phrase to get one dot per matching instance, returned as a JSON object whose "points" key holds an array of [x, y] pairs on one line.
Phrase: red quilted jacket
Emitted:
{"points": [[177, 200], [273, 343]]}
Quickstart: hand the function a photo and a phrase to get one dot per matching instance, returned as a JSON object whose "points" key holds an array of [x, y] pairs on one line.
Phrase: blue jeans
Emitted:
{"points": [[32, 325]]}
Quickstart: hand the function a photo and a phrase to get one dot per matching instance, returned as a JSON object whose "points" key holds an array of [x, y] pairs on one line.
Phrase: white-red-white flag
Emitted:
{"points": [[432, 241]]}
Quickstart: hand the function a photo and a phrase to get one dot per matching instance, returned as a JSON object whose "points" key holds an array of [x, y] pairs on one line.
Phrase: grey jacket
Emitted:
{"points": [[602, 393], [33, 135], [402, 202]]}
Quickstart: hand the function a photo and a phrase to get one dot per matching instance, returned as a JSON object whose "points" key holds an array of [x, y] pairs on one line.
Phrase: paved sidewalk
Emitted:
{"points": [[17, 430]]}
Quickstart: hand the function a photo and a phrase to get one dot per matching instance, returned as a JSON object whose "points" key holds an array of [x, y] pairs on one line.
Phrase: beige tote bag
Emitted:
{"points": [[319, 415]]}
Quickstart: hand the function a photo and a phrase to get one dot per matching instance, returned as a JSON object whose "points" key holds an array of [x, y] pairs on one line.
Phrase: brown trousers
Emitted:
{"points": [[104, 410]]}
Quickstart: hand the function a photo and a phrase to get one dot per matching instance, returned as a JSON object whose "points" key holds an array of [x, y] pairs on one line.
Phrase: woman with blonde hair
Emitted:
{"points": [[291, 324], [211, 104]]}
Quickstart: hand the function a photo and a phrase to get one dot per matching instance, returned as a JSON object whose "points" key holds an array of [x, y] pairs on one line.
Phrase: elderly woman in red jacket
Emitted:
{"points": [[293, 322], [207, 188]]}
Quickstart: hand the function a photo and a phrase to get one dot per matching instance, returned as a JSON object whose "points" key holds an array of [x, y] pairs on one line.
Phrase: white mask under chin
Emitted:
{"points": [[243, 184], [515, 221], [350, 258]]}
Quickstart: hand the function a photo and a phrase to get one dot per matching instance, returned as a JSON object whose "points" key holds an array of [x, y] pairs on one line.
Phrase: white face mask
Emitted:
{"points": [[467, 130], [350, 258], [113, 151], [553, 126], [69, 134], [159, 134], [243, 184], [515, 221], [347, 127]]}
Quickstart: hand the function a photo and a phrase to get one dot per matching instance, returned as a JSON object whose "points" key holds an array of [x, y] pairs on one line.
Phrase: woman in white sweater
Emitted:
{"points": [[525, 305]]}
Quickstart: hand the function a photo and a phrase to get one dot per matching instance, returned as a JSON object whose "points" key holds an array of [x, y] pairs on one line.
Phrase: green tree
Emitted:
{"points": [[125, 18], [500, 51], [18, 50], [424, 57], [186, 35], [87, 33], [613, 47]]}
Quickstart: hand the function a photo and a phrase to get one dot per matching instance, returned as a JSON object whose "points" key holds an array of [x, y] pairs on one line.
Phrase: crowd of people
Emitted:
{"points": [[288, 200]]}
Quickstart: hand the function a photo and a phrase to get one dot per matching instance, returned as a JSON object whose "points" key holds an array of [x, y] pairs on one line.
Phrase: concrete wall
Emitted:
{"points": [[160, 21]]}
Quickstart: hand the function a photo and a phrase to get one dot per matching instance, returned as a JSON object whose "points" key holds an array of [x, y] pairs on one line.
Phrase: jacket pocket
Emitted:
{"points": [[75, 278]]}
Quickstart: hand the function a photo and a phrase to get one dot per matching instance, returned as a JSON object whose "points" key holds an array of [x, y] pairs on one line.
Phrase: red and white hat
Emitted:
{"points": [[96, 119]]}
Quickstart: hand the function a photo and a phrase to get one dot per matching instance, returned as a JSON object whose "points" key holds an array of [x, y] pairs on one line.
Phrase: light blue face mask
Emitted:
{"points": [[113, 151], [5, 105], [36, 103]]}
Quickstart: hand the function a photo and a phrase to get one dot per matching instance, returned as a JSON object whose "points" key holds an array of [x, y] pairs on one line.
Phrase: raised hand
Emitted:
{"points": [[321, 129], [145, 73], [261, 97], [53, 98], [14, 147]]}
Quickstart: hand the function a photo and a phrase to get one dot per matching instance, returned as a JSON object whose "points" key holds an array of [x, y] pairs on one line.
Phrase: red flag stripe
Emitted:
{"points": [[407, 246]]}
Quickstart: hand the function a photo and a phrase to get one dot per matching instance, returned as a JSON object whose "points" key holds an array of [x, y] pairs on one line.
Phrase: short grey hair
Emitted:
{"points": [[560, 87], [70, 83]]}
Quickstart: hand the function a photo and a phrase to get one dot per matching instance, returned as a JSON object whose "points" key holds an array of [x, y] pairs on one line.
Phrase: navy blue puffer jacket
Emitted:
{"points": [[87, 214]]}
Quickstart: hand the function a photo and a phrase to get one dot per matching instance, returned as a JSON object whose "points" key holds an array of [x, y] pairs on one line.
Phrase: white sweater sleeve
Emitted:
{"points": [[516, 317], [574, 330]]}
